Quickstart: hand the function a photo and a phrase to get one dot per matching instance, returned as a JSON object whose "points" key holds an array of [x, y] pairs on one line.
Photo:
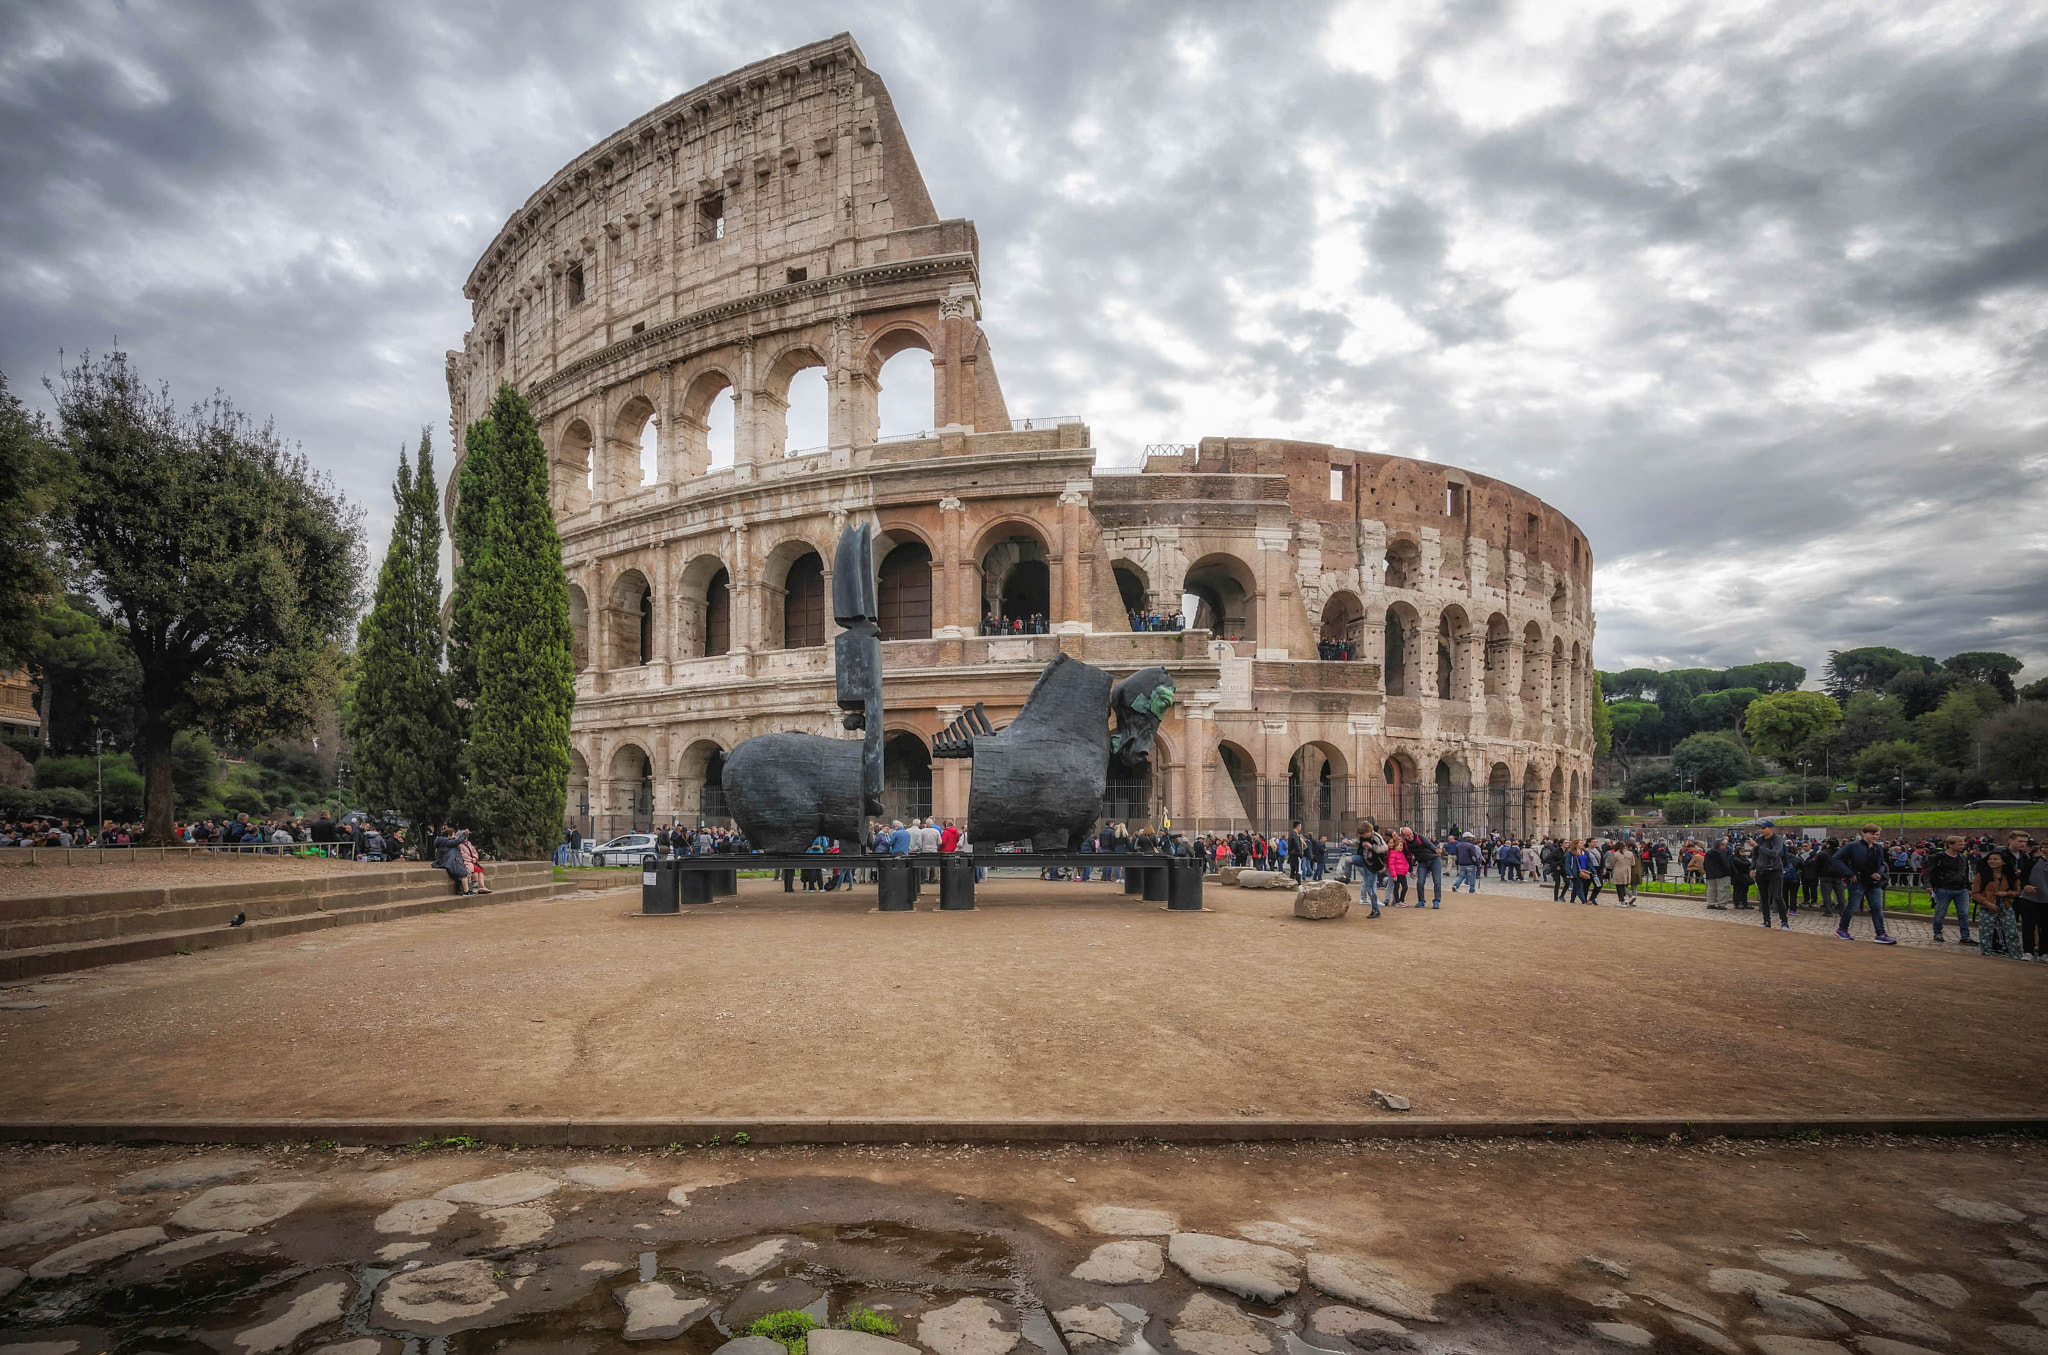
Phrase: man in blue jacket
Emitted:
{"points": [[1866, 863]]}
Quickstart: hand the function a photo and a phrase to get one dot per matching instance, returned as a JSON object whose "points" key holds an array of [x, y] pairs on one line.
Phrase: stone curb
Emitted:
{"points": [[636, 1133]]}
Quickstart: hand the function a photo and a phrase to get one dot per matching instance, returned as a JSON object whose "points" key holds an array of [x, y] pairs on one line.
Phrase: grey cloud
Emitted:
{"points": [[1808, 324]]}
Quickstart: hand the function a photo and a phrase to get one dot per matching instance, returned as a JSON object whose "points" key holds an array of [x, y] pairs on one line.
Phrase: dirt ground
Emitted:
{"points": [[1499, 1247], [1052, 1001]]}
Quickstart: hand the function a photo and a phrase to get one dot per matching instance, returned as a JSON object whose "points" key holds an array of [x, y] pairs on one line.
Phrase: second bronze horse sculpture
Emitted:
{"points": [[1041, 778]]}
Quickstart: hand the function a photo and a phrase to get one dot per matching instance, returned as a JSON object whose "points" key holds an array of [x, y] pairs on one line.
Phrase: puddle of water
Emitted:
{"points": [[1038, 1329], [647, 1266]]}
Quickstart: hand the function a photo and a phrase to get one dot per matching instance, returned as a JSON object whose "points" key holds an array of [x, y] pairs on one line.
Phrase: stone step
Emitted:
{"points": [[56, 919], [57, 959]]}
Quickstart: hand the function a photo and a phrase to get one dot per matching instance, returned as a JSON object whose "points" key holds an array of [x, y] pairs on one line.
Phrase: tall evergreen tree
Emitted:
{"points": [[475, 486], [402, 722], [517, 760]]}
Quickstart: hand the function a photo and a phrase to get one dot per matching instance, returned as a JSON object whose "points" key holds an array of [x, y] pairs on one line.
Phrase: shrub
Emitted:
{"points": [[1606, 811], [787, 1327], [28, 745], [869, 1321], [63, 802], [1685, 810], [242, 800]]}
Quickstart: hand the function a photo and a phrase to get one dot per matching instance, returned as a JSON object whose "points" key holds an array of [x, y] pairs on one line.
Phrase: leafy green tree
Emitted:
{"points": [[2015, 746], [517, 761], [1918, 693], [402, 719], [195, 769], [1648, 787], [1989, 667], [85, 673], [1709, 762], [1606, 811], [1722, 709], [1867, 718], [1868, 669], [1881, 764], [2035, 691], [473, 489], [1603, 728], [1685, 810], [1766, 677], [34, 477], [1947, 734], [1783, 722], [231, 567]]}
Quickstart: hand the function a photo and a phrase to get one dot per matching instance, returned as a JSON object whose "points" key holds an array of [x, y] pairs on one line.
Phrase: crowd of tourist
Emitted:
{"points": [[1154, 621], [1034, 624], [319, 835], [1336, 650]]}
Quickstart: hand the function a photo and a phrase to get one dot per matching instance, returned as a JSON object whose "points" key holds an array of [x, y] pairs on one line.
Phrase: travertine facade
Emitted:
{"points": [[774, 221]]}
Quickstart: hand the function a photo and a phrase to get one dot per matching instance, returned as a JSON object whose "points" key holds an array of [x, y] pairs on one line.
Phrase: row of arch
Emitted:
{"points": [[713, 420], [1016, 583]]}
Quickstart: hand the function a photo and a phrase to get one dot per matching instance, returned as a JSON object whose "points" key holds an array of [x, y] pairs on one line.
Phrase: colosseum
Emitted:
{"points": [[1359, 633]]}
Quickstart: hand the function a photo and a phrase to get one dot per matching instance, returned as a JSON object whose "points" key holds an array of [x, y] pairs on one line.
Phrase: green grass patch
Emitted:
{"points": [[788, 1327], [869, 1321], [1895, 900], [2033, 817]]}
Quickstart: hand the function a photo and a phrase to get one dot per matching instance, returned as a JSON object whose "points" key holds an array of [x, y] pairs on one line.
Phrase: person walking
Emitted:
{"points": [[1371, 856], [1397, 873], [1717, 868], [2033, 907], [1867, 864], [1997, 895], [1425, 866], [1623, 869], [2017, 857], [1466, 852], [1768, 864], [1948, 882]]}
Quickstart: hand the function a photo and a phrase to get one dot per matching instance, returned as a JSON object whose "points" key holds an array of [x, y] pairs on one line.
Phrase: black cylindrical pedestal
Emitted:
{"points": [[956, 883], [657, 886], [1184, 885], [693, 886], [898, 884], [1155, 881], [725, 883], [1134, 879]]}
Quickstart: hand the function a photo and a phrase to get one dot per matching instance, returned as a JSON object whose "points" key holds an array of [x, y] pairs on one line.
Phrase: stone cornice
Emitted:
{"points": [[894, 270]]}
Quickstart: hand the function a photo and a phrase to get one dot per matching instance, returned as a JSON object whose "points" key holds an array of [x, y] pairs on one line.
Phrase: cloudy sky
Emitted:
{"points": [[1753, 292]]}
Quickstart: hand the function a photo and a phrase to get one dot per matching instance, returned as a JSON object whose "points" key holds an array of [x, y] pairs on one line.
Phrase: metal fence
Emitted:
{"points": [[1336, 809]]}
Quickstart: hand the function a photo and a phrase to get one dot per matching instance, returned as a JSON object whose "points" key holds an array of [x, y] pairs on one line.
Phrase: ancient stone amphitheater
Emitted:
{"points": [[658, 298]]}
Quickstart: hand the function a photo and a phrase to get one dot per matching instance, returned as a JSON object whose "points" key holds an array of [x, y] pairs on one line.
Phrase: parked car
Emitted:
{"points": [[623, 851]]}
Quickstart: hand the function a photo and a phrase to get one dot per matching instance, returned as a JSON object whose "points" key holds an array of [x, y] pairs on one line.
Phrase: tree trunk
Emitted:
{"points": [[157, 806]]}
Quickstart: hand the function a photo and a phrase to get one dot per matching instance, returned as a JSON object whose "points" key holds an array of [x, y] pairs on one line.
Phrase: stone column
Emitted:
{"points": [[1071, 615], [1270, 628], [1198, 740], [743, 589], [949, 788], [746, 415]]}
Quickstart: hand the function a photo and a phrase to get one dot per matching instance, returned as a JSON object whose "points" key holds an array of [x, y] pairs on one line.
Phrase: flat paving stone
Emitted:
{"points": [[605, 1176], [80, 1257], [496, 1192], [415, 1218], [751, 1345], [398, 1251], [2014, 1274], [60, 1223], [659, 1312], [10, 1280], [1814, 1261], [2027, 1340], [315, 1307], [1247, 1269], [1880, 1308], [366, 1345], [1613, 1270], [1792, 1310], [1735, 1280], [1207, 1326], [1713, 1338], [767, 1296], [1624, 1334], [40, 1348], [1884, 1345], [1932, 1285], [187, 1174], [1364, 1281], [1087, 1323], [972, 1326], [438, 1300], [1275, 1234], [42, 1202], [1130, 1261], [197, 1242], [831, 1341], [1697, 1312], [1344, 1322], [1123, 1221], [1979, 1211], [241, 1208], [519, 1225]]}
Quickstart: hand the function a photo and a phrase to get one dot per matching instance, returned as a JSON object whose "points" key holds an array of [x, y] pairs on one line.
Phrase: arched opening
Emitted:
{"points": [[1559, 825], [1403, 564], [1318, 789], [1132, 591], [906, 777], [711, 811], [1342, 634], [906, 390], [1497, 785], [1498, 644], [1455, 809], [630, 449], [702, 437], [579, 628], [1130, 800], [1575, 711], [1558, 601], [804, 422], [573, 476], [792, 412], [632, 788], [1016, 582], [1243, 774], [903, 592], [1577, 808], [1560, 679], [1225, 597], [718, 615], [803, 603], [1404, 651], [1453, 655], [629, 621], [650, 451]]}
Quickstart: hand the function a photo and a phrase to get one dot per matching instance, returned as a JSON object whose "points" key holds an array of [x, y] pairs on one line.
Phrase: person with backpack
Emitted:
{"points": [[1769, 864], [1948, 882], [1551, 858]]}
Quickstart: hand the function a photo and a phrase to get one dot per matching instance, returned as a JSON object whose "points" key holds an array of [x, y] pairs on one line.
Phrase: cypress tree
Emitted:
{"points": [[402, 720], [473, 490], [517, 760]]}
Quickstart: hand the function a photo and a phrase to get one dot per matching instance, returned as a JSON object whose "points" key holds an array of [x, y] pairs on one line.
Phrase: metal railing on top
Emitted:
{"points": [[1031, 421]]}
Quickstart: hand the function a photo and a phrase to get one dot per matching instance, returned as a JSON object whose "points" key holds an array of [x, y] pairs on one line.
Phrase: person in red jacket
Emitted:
{"points": [[949, 837]]}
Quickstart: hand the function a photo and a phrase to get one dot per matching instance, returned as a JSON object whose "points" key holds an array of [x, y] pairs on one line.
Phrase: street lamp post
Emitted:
{"points": [[1900, 772]]}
